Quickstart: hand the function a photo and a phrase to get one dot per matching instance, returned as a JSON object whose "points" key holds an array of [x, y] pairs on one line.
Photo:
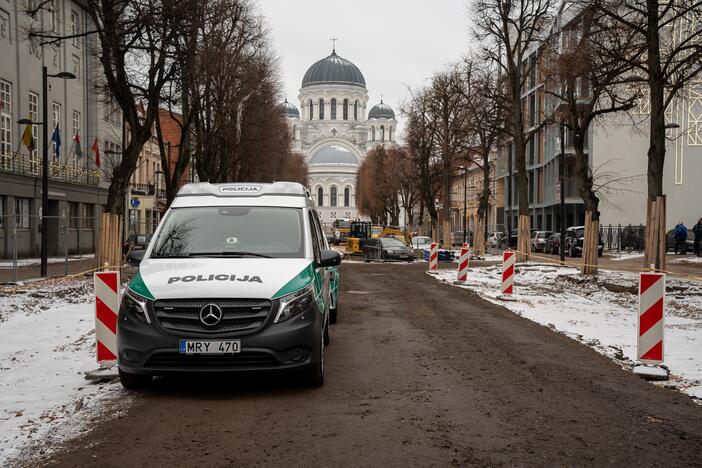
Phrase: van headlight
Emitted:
{"points": [[135, 305], [295, 303]]}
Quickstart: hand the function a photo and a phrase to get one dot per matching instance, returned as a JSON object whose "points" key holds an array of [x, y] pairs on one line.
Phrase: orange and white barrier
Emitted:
{"points": [[649, 349], [463, 263], [106, 310], [434, 256], [508, 261]]}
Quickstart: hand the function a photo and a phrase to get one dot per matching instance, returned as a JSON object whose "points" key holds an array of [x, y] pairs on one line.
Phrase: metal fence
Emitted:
{"points": [[32, 166], [623, 238]]}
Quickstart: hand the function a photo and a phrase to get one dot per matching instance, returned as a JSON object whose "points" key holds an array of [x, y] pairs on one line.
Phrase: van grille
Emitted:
{"points": [[239, 316], [245, 359]]}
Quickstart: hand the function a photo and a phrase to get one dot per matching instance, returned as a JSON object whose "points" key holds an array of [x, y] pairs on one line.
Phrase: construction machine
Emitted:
{"points": [[359, 232]]}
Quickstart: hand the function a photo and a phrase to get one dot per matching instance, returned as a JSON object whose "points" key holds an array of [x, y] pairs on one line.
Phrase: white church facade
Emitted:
{"points": [[334, 130]]}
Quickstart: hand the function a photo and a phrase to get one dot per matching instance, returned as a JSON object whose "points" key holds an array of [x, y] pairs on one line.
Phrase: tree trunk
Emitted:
{"points": [[591, 201], [447, 238], [656, 150], [479, 238], [523, 236]]}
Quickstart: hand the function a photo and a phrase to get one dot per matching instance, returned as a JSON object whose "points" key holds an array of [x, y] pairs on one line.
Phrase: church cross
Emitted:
{"points": [[334, 39]]}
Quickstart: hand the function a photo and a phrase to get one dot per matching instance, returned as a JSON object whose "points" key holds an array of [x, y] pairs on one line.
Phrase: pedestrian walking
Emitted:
{"points": [[697, 231], [680, 239]]}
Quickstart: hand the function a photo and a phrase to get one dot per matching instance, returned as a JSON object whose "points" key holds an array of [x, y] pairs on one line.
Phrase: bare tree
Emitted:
{"points": [[511, 30], [585, 84], [665, 52]]}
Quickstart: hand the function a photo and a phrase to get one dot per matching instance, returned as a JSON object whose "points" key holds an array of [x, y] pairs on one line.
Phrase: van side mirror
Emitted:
{"points": [[135, 257], [330, 258]]}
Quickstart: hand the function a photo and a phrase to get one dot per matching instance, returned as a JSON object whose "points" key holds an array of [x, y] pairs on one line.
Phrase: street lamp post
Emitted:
{"points": [[562, 181], [45, 166], [465, 200]]}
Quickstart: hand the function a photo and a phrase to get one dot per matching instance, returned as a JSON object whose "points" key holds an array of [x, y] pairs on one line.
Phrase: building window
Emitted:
{"points": [[76, 131], [88, 216], [333, 109], [34, 117], [372, 133], [320, 196], [345, 110], [382, 133], [75, 28], [22, 213], [294, 132], [73, 215], [76, 67], [347, 197], [321, 109], [332, 197], [390, 134], [54, 11], [311, 110], [355, 110], [5, 117]]}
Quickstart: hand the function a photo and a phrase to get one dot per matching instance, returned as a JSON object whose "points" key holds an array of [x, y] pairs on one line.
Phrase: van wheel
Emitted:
{"points": [[332, 313], [134, 381], [314, 377]]}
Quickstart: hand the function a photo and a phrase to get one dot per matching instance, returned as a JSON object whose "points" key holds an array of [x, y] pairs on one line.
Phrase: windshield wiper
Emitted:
{"points": [[236, 253]]}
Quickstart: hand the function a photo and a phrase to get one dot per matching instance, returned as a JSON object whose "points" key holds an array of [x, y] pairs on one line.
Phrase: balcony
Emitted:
{"points": [[31, 166]]}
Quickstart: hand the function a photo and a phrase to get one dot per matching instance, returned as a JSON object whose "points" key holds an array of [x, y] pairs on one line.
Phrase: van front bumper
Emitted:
{"points": [[148, 349]]}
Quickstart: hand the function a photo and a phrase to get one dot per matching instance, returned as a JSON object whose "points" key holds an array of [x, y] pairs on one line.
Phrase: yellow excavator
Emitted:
{"points": [[360, 231]]}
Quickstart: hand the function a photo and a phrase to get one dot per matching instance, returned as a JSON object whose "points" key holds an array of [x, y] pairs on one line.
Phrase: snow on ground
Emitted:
{"points": [[601, 312], [687, 260], [26, 262], [618, 256], [47, 343]]}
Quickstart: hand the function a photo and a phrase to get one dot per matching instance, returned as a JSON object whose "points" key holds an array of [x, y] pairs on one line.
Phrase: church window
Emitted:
{"points": [[390, 133], [382, 133], [372, 133], [320, 196], [355, 110], [332, 197], [347, 196], [346, 109], [333, 109], [311, 110], [294, 135], [321, 109]]}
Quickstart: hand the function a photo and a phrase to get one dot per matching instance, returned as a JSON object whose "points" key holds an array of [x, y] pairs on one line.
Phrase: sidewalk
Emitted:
{"points": [[55, 269]]}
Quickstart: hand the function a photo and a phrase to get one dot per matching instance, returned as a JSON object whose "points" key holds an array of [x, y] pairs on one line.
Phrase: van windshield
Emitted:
{"points": [[233, 231]]}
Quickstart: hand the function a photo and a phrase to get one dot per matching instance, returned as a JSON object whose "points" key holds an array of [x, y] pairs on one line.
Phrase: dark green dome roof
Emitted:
{"points": [[290, 110], [381, 111], [334, 70]]}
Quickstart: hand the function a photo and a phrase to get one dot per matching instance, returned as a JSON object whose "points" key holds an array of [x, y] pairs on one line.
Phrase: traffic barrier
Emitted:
{"points": [[508, 261], [649, 348], [106, 310], [463, 263], [434, 256]]}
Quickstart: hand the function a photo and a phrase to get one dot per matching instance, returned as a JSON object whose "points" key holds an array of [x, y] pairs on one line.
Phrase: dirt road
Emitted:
{"points": [[418, 374]]}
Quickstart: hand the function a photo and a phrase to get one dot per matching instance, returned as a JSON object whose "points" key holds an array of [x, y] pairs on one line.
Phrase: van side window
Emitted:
{"points": [[315, 239], [320, 233]]}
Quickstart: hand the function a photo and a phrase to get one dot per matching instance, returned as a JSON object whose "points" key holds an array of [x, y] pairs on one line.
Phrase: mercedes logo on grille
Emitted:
{"points": [[210, 315]]}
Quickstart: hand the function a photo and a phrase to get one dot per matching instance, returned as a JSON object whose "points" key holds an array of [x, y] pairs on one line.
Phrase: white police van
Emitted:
{"points": [[236, 277]]}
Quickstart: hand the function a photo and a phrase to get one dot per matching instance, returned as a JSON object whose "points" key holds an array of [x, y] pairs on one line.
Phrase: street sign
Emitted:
{"points": [[135, 203]]}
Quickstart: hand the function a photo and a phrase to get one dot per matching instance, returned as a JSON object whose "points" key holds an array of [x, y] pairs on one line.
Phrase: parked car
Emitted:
{"points": [[538, 240], [511, 242], [386, 249], [689, 243], [553, 244], [494, 238], [421, 242], [573, 242]]}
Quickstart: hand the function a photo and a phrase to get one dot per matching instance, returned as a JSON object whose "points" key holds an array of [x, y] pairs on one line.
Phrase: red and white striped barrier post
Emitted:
{"points": [[434, 257], [508, 261], [463, 263], [106, 310], [650, 326]]}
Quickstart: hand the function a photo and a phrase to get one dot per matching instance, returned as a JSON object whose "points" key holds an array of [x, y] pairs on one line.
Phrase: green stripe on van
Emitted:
{"points": [[138, 286], [300, 280]]}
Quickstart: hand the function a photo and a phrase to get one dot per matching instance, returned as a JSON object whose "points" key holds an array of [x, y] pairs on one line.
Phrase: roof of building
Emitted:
{"points": [[381, 111], [290, 110], [334, 70], [333, 154]]}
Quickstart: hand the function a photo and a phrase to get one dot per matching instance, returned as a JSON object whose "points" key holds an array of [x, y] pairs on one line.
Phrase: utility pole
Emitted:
{"points": [[562, 183]]}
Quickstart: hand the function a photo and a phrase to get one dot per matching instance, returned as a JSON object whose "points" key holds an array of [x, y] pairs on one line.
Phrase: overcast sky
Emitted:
{"points": [[394, 43]]}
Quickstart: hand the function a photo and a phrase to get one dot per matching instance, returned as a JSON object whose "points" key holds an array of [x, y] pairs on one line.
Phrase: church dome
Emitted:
{"points": [[290, 110], [334, 70], [333, 154], [381, 111]]}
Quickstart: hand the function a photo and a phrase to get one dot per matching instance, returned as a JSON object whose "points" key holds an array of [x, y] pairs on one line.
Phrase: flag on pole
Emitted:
{"points": [[56, 138], [76, 144], [96, 150], [28, 138]]}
